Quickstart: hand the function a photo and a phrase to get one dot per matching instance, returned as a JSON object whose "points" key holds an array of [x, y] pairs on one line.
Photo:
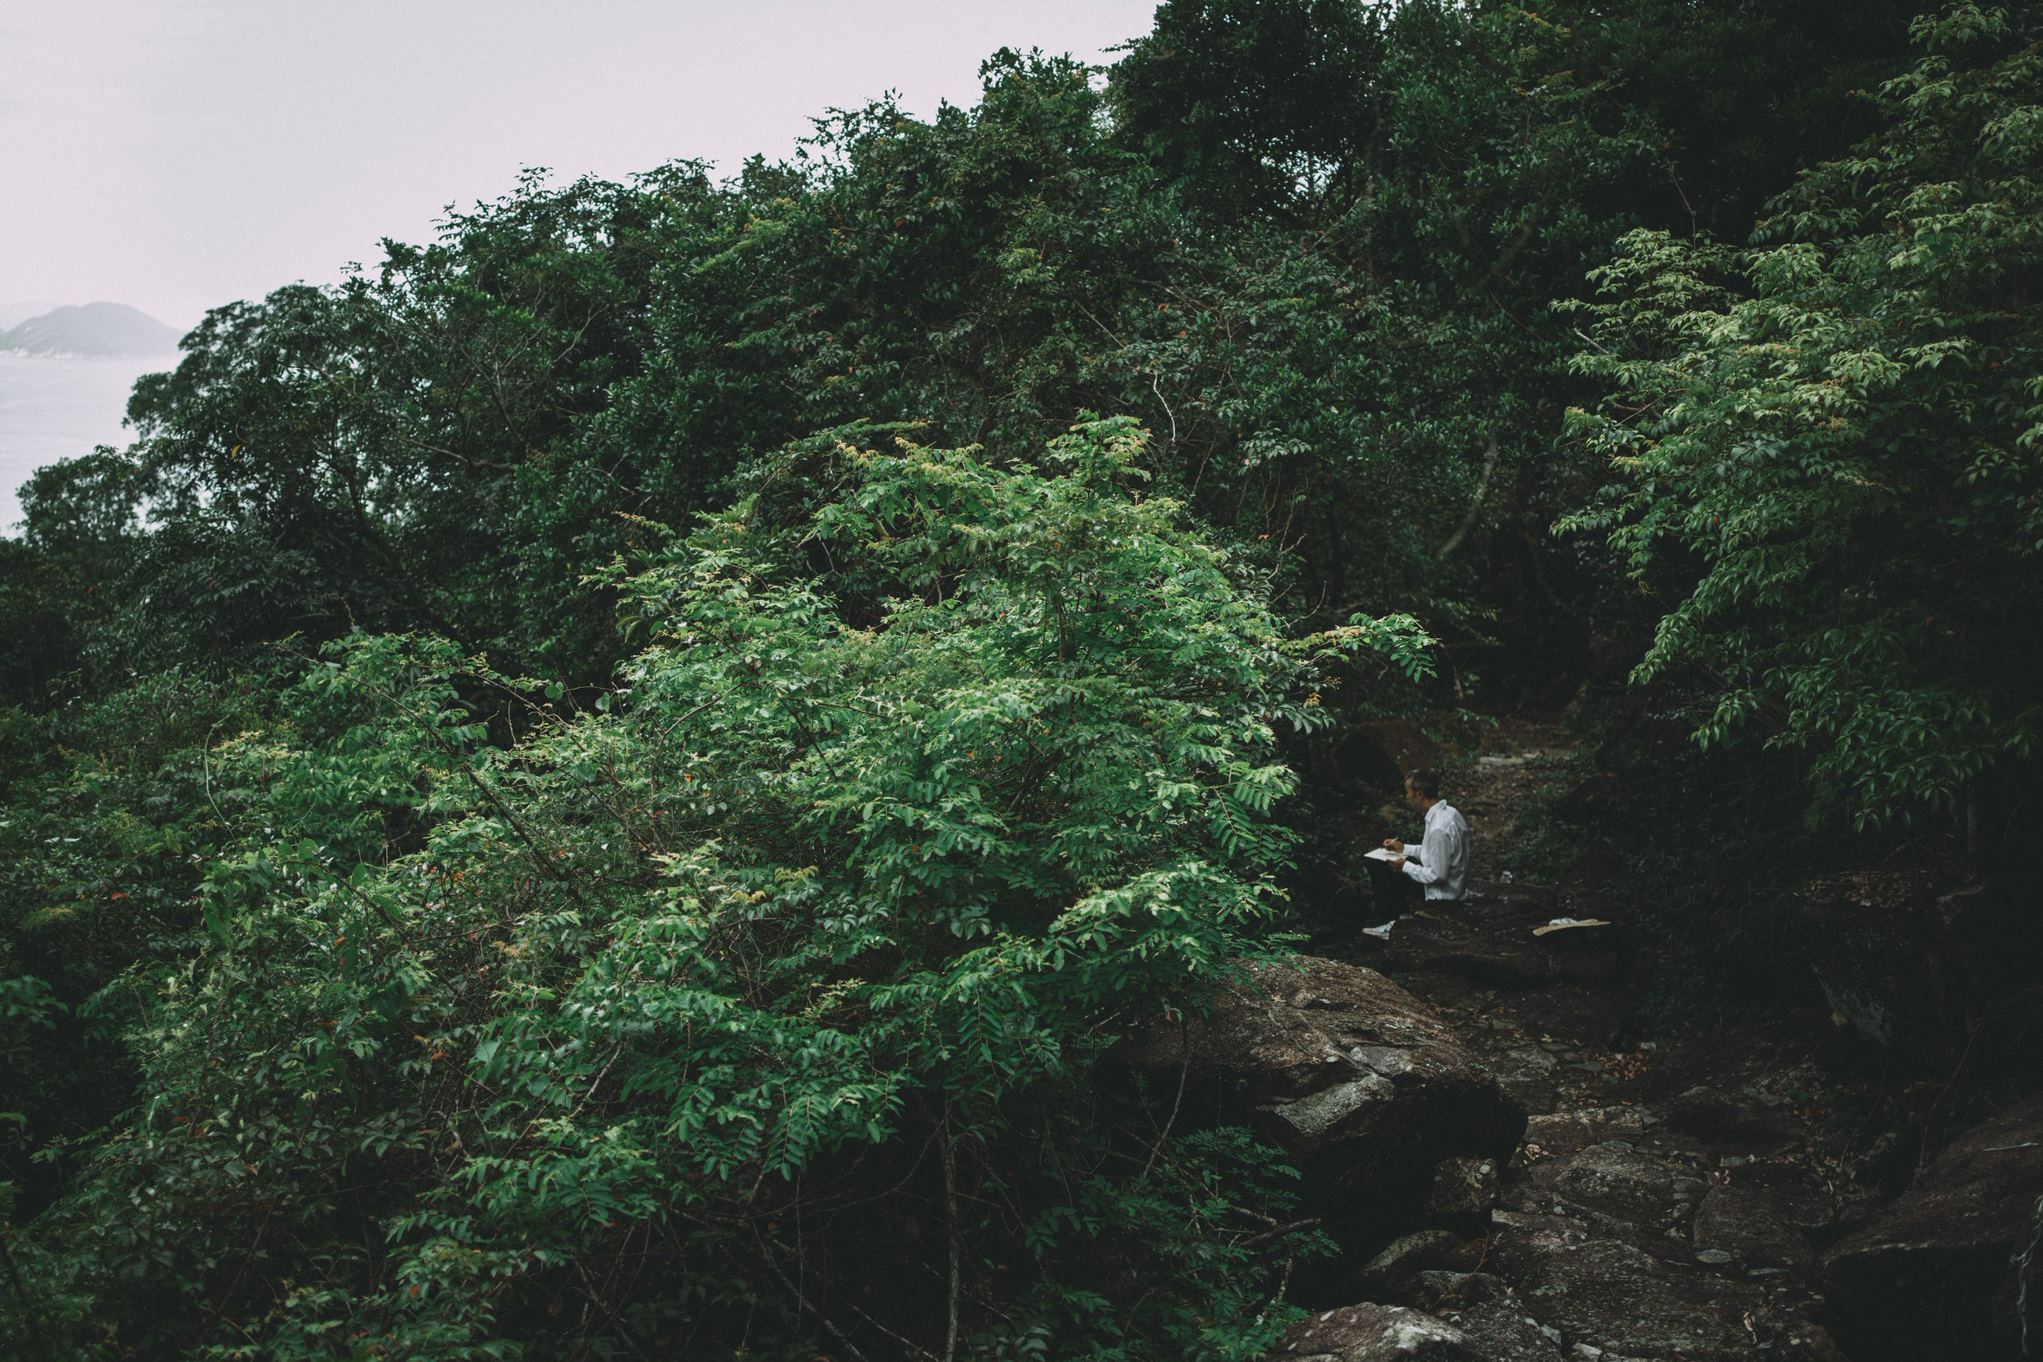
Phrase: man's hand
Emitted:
{"points": [[1393, 844], [1397, 863]]}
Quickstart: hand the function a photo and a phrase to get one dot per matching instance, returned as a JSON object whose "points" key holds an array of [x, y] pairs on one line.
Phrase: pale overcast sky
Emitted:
{"points": [[180, 154]]}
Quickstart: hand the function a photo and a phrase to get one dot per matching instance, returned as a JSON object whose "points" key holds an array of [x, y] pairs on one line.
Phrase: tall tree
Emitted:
{"points": [[1841, 427]]}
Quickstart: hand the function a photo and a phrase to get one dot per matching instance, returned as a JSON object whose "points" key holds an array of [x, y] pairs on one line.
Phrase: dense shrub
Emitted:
{"points": [[768, 994], [1841, 427]]}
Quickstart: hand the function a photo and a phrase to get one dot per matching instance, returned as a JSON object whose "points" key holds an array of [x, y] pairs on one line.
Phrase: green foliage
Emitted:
{"points": [[1841, 428], [36, 611], [846, 890], [1253, 102], [1314, 241], [404, 450], [109, 811], [61, 584], [1739, 96], [739, 984]]}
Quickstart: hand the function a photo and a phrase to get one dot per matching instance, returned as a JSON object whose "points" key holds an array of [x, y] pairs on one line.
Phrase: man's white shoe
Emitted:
{"points": [[1380, 933]]}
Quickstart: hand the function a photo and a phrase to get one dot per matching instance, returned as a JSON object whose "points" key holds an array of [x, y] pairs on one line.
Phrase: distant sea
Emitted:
{"points": [[55, 408]]}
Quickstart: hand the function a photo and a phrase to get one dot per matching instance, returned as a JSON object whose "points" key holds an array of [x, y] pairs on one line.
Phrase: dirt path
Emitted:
{"points": [[1667, 1200]]}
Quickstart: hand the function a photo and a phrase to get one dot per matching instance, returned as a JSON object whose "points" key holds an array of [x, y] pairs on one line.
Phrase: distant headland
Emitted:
{"points": [[93, 329]]}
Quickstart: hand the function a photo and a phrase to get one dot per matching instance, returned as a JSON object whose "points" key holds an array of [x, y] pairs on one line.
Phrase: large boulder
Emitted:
{"points": [[1364, 1086], [1879, 957], [1488, 939], [1932, 976], [1941, 1272], [1763, 1221], [1992, 937]]}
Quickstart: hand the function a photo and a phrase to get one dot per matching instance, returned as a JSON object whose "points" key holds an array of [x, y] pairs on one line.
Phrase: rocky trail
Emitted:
{"points": [[1694, 1201]]}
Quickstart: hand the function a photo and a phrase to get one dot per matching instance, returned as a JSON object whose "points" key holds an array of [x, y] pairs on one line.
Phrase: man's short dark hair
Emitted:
{"points": [[1426, 781]]}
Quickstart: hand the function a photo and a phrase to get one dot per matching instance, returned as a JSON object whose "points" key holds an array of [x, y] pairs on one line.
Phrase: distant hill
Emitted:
{"points": [[94, 329]]}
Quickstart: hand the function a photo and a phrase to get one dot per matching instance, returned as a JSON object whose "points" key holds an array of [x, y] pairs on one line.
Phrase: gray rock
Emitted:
{"points": [[1365, 1087], [1392, 1271], [1430, 1288], [1527, 1072], [1375, 1333], [1624, 1186], [1527, 1223], [1489, 1313], [1760, 1226], [1609, 1296], [1316, 1118], [1564, 1132]]}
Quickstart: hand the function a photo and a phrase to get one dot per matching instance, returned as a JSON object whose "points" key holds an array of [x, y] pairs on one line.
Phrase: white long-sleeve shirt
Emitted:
{"points": [[1440, 860]]}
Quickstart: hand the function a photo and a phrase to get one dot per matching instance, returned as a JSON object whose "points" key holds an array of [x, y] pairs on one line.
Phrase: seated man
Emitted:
{"points": [[1439, 862]]}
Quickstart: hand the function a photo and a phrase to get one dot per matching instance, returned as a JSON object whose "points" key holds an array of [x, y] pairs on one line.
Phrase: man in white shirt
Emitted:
{"points": [[1439, 861]]}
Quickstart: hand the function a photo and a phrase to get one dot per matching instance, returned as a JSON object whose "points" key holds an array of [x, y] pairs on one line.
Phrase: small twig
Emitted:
{"points": [[668, 731], [902, 1339], [1156, 385], [1185, 1044], [1692, 229], [1283, 1286], [808, 1304], [1281, 1230], [1475, 506], [206, 766], [597, 1081], [467, 769], [950, 1202], [594, 1298]]}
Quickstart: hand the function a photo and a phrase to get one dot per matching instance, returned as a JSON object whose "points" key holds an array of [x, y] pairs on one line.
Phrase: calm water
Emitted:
{"points": [[53, 409]]}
